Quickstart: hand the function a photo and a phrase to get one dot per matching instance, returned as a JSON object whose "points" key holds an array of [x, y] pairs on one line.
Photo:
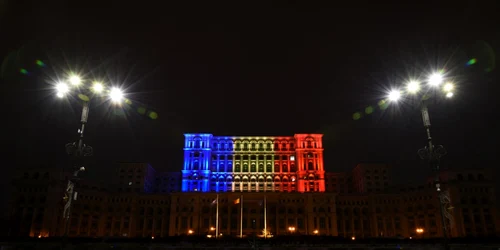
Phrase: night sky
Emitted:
{"points": [[249, 68]]}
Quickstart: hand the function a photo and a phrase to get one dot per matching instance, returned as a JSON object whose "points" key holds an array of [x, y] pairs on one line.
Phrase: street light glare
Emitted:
{"points": [[116, 95], [435, 79], [394, 95], [413, 87], [75, 80], [448, 87], [62, 89], [449, 94], [98, 87]]}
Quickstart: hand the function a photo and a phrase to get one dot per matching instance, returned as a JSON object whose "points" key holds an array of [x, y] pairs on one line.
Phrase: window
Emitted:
{"points": [[292, 157], [253, 168], [310, 165]]}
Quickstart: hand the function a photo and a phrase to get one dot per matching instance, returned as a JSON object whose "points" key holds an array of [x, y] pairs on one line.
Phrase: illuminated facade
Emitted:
{"points": [[253, 164]]}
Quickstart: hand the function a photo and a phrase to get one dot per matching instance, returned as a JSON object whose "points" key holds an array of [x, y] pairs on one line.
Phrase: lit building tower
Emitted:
{"points": [[311, 172], [196, 170]]}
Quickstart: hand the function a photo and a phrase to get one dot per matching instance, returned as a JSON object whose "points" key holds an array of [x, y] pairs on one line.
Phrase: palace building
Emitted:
{"points": [[239, 186], [253, 164]]}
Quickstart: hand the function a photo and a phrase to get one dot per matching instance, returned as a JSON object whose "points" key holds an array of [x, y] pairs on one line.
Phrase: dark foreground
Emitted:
{"points": [[288, 243]]}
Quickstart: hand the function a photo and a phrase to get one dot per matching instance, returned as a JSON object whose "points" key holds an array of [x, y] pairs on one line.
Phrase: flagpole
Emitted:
{"points": [[265, 217], [241, 216], [217, 218]]}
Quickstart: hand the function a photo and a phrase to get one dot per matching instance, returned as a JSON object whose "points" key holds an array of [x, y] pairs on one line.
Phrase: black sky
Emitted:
{"points": [[251, 68]]}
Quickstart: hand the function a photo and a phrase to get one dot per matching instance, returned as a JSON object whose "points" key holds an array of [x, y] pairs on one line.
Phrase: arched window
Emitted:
{"points": [[245, 167], [276, 167], [310, 165], [253, 168], [269, 168], [293, 168], [285, 168], [197, 142], [261, 167], [221, 167], [237, 168]]}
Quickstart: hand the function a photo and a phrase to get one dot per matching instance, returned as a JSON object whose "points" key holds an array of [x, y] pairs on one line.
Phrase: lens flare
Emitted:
{"points": [[448, 87], [413, 87], [116, 95], [75, 80], [435, 79], [98, 87], [394, 95]]}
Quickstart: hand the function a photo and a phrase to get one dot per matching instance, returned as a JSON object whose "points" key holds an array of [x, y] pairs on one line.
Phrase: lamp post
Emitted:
{"points": [[78, 150], [432, 153]]}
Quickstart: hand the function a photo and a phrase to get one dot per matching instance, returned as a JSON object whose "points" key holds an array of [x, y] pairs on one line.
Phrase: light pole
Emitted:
{"points": [[432, 153], [78, 150]]}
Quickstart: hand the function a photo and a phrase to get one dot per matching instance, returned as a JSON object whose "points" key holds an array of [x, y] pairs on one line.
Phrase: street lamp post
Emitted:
{"points": [[78, 150], [432, 153]]}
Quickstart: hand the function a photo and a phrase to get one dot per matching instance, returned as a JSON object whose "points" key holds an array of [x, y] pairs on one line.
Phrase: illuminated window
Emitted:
{"points": [[292, 157]]}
